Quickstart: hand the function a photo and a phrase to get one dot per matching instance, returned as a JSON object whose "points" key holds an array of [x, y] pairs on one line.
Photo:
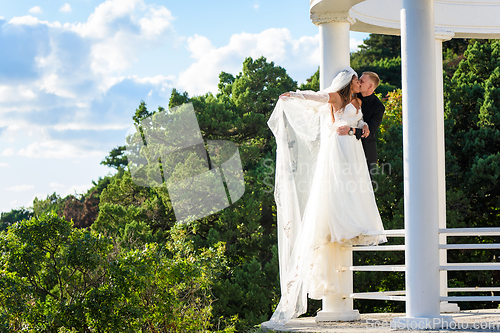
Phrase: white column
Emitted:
{"points": [[420, 167], [335, 56], [334, 50], [440, 37]]}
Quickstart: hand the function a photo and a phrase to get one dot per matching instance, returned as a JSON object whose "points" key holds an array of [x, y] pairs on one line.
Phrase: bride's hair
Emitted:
{"points": [[345, 96]]}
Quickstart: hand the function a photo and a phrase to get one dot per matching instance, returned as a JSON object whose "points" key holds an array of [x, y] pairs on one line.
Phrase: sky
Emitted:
{"points": [[72, 73]]}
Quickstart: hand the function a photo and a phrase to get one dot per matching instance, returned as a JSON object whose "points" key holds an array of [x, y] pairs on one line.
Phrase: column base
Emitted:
{"points": [[422, 323], [324, 316], [445, 307]]}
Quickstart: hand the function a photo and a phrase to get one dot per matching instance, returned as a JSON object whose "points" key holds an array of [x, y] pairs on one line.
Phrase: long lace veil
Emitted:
{"points": [[295, 124]]}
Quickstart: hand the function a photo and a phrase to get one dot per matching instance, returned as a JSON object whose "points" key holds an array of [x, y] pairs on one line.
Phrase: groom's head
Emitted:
{"points": [[369, 82]]}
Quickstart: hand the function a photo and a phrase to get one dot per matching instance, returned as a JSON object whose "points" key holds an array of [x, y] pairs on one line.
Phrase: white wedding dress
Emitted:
{"points": [[323, 194]]}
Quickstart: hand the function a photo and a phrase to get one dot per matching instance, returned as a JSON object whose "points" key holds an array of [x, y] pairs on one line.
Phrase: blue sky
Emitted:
{"points": [[72, 73]]}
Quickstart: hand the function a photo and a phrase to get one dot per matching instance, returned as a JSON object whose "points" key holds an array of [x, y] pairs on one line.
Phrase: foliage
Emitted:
{"points": [[312, 83], [453, 53], [377, 47], [57, 277], [249, 287], [133, 215], [393, 115], [102, 183], [15, 215], [53, 203], [82, 212], [116, 158], [82, 209], [380, 54], [472, 122], [473, 131]]}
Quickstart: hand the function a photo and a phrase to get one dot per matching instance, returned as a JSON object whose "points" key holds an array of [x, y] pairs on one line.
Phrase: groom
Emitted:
{"points": [[373, 111]]}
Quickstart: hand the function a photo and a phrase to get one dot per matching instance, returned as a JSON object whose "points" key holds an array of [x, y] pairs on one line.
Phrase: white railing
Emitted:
{"points": [[474, 266], [454, 232], [381, 295]]}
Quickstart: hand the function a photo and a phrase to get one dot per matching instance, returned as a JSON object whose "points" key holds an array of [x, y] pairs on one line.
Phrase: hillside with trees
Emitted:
{"points": [[115, 260]]}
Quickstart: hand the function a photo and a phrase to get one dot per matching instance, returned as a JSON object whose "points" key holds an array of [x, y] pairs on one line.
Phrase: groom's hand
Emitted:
{"points": [[366, 131], [343, 130]]}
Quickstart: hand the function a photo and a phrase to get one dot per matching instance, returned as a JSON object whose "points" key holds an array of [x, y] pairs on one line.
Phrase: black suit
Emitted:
{"points": [[373, 111]]}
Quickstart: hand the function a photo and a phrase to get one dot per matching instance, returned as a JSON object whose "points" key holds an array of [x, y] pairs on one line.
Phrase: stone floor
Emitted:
{"points": [[465, 321]]}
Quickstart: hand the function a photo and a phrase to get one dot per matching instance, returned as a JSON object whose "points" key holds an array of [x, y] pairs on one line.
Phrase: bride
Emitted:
{"points": [[323, 190]]}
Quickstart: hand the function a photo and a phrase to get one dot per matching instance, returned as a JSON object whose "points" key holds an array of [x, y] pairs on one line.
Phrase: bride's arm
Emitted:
{"points": [[361, 123], [317, 96]]}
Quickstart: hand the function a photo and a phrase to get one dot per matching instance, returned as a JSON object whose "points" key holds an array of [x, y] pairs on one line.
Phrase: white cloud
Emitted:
{"points": [[108, 43], [157, 22], [35, 10], [275, 44], [52, 83], [14, 94], [57, 149], [67, 79], [4, 165], [114, 16], [90, 126], [40, 196], [66, 8], [20, 188], [25, 20], [256, 6], [76, 189], [155, 80], [8, 152], [112, 56], [120, 29], [64, 190], [56, 185], [354, 44], [108, 18], [162, 83]]}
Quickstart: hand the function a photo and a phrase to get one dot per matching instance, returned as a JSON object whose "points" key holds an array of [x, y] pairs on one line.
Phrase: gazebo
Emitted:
{"points": [[423, 26]]}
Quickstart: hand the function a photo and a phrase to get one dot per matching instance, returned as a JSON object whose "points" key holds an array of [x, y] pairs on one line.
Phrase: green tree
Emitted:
{"points": [[116, 158], [472, 131], [54, 277], [135, 215], [44, 267], [82, 212], [15, 215], [312, 83], [239, 113], [472, 123], [53, 203], [377, 47], [380, 54]]}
